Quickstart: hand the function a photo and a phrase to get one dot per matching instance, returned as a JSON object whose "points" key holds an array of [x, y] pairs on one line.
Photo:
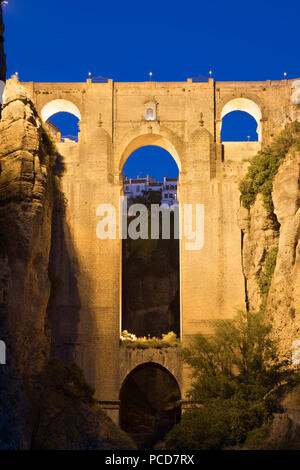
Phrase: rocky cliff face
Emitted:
{"points": [[28, 193], [25, 230], [262, 238], [283, 304]]}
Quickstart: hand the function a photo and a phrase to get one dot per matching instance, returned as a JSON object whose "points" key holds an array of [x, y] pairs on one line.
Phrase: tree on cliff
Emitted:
{"points": [[235, 380], [264, 167]]}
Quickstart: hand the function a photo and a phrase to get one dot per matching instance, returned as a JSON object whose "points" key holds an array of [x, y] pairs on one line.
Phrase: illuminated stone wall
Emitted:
{"points": [[87, 311]]}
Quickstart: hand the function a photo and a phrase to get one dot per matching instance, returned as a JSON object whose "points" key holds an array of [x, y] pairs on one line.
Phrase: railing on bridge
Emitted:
{"points": [[200, 79], [99, 79], [69, 138]]}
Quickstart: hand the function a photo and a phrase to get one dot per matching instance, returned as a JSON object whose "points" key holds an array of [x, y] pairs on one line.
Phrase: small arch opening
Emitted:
{"points": [[64, 127], [239, 126], [149, 404], [62, 118], [241, 121]]}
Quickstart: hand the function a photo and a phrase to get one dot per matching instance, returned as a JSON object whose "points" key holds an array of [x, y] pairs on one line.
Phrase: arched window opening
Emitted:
{"points": [[61, 117], [64, 127], [239, 126], [149, 404], [241, 121], [150, 266]]}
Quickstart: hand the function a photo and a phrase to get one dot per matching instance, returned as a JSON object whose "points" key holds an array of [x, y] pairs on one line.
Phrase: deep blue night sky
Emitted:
{"points": [[62, 40]]}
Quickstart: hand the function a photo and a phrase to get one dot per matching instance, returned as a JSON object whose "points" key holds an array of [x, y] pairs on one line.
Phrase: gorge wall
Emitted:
{"points": [[271, 254], [25, 225], [284, 296], [29, 226]]}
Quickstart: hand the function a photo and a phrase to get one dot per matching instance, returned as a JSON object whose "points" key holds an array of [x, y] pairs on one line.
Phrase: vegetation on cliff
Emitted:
{"points": [[236, 381], [265, 275], [168, 340], [264, 166]]}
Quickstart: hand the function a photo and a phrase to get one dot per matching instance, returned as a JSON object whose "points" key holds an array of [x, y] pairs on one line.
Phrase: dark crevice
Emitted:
{"points": [[243, 271]]}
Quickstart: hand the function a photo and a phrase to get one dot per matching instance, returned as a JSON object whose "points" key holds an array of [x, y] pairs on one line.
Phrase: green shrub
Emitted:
{"points": [[235, 376], [265, 275], [168, 340], [257, 437], [199, 429], [264, 167]]}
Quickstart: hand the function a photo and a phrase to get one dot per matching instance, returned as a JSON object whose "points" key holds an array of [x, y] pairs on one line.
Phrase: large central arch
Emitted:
{"points": [[167, 318], [149, 138]]}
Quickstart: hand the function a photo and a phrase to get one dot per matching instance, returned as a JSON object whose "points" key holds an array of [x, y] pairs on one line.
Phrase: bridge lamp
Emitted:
{"points": [[90, 74], [4, 3], [284, 74], [150, 75], [210, 73]]}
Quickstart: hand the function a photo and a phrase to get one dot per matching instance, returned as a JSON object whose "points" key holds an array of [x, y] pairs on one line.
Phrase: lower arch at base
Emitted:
{"points": [[150, 404]]}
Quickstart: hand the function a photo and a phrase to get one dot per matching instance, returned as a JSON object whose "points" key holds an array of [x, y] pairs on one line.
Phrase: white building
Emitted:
{"points": [[138, 187], [169, 192]]}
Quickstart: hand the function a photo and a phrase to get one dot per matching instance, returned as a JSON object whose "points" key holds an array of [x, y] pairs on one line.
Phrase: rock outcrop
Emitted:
{"points": [[283, 304], [260, 237], [28, 193], [282, 432], [25, 230]]}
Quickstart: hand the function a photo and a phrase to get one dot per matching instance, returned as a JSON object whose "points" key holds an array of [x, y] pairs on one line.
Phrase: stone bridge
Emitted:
{"points": [[185, 118]]}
